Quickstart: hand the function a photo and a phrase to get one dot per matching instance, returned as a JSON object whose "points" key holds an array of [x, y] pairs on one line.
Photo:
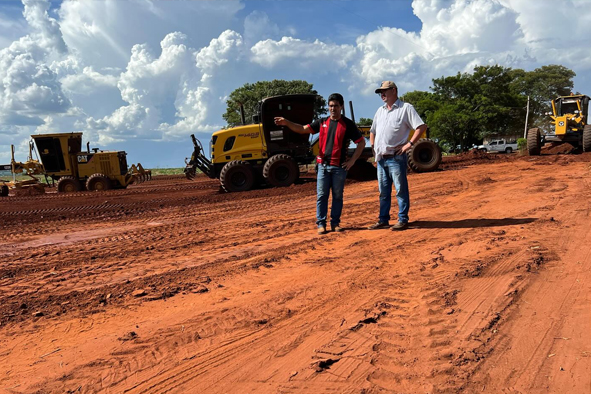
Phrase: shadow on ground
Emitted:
{"points": [[470, 223]]}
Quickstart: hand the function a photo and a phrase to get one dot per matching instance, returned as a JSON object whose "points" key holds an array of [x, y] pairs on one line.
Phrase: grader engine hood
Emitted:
{"points": [[561, 125]]}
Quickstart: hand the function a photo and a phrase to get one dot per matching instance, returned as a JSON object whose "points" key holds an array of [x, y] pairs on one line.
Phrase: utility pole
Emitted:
{"points": [[526, 116]]}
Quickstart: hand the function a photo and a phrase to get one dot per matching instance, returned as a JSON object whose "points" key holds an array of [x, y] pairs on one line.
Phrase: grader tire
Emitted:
{"points": [[3, 191], [68, 184], [424, 156], [237, 176], [281, 170], [587, 138], [362, 170], [98, 182], [534, 142]]}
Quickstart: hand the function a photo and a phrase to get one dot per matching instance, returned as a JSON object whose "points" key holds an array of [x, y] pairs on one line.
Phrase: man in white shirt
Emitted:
{"points": [[389, 134]]}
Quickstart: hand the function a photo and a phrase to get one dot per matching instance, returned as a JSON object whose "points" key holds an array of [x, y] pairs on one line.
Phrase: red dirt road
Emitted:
{"points": [[171, 286]]}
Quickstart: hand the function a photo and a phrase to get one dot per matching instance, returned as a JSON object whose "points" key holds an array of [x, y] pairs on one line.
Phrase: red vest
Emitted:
{"points": [[331, 152]]}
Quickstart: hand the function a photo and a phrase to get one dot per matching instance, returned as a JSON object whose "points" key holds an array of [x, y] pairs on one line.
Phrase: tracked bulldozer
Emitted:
{"points": [[263, 152], [61, 161], [570, 123]]}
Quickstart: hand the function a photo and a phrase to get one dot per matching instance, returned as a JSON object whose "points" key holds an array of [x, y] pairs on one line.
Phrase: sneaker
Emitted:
{"points": [[399, 226], [337, 229], [378, 225], [321, 230]]}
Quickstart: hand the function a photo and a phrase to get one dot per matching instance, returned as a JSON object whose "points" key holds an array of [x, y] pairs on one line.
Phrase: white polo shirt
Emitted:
{"points": [[392, 127]]}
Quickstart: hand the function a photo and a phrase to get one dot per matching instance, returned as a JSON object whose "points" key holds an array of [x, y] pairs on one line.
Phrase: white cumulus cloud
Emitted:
{"points": [[29, 88], [289, 51]]}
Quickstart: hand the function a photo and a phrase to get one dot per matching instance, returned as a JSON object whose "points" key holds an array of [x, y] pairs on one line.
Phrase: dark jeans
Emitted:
{"points": [[392, 170], [329, 178]]}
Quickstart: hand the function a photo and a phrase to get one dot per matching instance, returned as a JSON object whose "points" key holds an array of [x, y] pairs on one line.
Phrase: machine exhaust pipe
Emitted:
{"points": [[242, 117]]}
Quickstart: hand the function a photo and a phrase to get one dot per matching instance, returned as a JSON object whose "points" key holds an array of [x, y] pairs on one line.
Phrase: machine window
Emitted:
{"points": [[229, 143]]}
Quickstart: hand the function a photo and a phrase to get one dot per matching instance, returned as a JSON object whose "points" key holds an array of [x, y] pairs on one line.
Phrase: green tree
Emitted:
{"points": [[365, 122], [542, 85], [487, 105], [425, 103], [250, 94]]}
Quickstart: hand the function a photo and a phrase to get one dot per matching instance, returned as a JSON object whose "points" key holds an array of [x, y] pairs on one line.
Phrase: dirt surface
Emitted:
{"points": [[172, 286], [558, 148]]}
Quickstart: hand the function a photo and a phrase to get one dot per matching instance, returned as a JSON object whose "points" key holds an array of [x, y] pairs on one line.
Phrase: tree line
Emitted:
{"points": [[460, 110]]}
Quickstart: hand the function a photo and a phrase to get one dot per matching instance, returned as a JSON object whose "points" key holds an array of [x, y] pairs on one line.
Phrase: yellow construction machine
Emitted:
{"points": [[570, 123], [263, 152], [62, 160]]}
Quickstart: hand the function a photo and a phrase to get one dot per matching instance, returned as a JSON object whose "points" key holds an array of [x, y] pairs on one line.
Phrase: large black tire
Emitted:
{"points": [[68, 184], [281, 170], [98, 182], [362, 170], [237, 176], [509, 150], [587, 138], [534, 142], [3, 191], [424, 156]]}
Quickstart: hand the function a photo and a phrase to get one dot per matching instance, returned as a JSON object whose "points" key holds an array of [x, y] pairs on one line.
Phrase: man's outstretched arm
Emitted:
{"points": [[298, 128]]}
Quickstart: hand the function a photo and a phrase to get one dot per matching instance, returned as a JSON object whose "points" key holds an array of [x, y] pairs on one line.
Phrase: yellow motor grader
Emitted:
{"points": [[62, 161], [263, 152], [570, 123]]}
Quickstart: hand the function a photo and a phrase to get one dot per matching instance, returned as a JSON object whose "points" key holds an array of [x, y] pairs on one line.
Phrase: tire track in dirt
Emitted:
{"points": [[319, 301], [560, 294], [273, 307]]}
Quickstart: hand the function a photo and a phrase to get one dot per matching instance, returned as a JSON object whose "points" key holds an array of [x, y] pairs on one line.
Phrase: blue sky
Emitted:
{"points": [[142, 75]]}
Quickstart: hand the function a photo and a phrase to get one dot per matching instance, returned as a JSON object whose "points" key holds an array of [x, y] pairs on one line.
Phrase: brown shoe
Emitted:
{"points": [[399, 226], [378, 226], [337, 229], [321, 230]]}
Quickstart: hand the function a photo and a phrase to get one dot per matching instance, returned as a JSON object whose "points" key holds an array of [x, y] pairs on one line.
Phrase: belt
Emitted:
{"points": [[388, 156]]}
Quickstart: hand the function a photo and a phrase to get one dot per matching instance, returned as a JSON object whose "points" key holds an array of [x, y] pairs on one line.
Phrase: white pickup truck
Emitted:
{"points": [[499, 146]]}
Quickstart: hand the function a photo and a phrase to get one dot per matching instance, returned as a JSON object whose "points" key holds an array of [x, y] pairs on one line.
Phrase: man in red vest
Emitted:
{"points": [[335, 132]]}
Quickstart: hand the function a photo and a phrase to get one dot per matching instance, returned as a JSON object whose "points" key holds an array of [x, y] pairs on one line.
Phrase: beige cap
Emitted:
{"points": [[387, 85]]}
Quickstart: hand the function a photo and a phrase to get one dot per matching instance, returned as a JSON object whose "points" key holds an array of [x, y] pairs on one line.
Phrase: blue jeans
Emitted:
{"points": [[329, 178], [393, 170]]}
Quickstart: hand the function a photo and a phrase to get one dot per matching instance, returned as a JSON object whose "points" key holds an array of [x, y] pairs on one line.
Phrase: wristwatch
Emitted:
{"points": [[410, 142]]}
